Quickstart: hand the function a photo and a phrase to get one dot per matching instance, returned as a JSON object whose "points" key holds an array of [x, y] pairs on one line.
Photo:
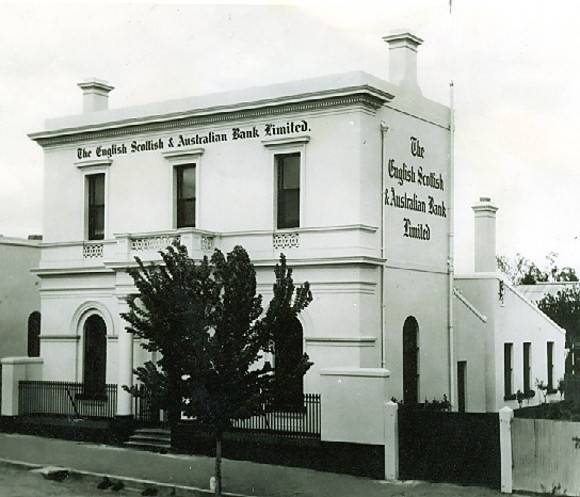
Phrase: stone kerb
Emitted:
{"points": [[353, 405], [14, 370]]}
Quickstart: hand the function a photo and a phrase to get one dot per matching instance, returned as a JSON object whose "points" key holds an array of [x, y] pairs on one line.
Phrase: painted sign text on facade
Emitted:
{"points": [[188, 140]]}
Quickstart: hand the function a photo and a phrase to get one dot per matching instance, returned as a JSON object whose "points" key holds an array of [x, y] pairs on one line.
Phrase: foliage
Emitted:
{"points": [[563, 410], [561, 387], [521, 396], [165, 314], [209, 325], [433, 405], [523, 271], [564, 309], [543, 388]]}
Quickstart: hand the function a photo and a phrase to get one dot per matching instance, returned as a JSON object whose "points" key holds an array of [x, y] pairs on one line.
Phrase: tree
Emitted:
{"points": [[208, 322], [163, 314], [564, 309], [520, 270], [523, 271]]}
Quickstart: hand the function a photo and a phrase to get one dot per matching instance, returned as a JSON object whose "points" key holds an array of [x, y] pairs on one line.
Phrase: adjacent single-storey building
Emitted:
{"points": [[503, 344], [19, 296]]}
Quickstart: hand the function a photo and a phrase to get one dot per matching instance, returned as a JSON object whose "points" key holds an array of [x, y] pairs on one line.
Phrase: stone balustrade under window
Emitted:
{"points": [[264, 246]]}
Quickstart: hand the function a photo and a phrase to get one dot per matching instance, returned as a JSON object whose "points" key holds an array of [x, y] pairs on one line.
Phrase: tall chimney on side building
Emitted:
{"points": [[403, 59], [484, 223], [95, 94]]}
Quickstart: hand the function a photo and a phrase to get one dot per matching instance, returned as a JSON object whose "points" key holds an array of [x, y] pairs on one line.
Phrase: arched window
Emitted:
{"points": [[410, 361], [95, 357], [34, 334], [289, 349]]}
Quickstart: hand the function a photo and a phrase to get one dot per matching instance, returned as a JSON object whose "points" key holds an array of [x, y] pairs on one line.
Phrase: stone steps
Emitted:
{"points": [[154, 439]]}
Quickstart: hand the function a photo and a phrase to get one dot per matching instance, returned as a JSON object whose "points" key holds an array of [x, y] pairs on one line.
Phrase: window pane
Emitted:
{"points": [[291, 171], [186, 213], [187, 182], [98, 189]]}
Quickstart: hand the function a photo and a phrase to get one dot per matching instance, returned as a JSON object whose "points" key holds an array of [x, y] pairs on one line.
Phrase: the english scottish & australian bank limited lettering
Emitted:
{"points": [[235, 134], [424, 200]]}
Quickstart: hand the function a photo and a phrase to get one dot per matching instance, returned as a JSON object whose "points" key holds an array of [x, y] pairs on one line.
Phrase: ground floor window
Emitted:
{"points": [[507, 369], [527, 366], [288, 351], [461, 385], [34, 334], [410, 361], [550, 363], [95, 357]]}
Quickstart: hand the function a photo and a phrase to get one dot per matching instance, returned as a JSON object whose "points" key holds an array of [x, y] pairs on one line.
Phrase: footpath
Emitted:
{"points": [[240, 477]]}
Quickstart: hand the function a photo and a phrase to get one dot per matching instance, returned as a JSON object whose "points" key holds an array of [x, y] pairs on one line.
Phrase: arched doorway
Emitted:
{"points": [[95, 356], [288, 352], [34, 334], [410, 361]]}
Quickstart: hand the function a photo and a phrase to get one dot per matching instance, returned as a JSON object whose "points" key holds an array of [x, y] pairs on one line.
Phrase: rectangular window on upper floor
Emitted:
{"points": [[288, 190], [185, 195], [95, 206]]}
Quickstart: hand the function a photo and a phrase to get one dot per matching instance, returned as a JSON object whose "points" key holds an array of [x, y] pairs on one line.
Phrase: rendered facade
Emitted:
{"points": [[19, 297], [348, 175], [294, 168]]}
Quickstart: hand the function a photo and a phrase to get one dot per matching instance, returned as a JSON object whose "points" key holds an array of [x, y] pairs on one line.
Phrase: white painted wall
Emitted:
{"points": [[519, 321], [514, 320], [341, 186], [353, 405], [232, 175], [14, 370], [19, 295], [471, 342]]}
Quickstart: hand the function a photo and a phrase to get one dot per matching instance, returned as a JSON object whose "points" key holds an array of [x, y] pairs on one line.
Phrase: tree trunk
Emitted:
{"points": [[218, 464], [174, 408]]}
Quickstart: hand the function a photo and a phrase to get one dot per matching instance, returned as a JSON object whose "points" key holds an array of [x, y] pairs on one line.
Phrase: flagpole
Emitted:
{"points": [[450, 262]]}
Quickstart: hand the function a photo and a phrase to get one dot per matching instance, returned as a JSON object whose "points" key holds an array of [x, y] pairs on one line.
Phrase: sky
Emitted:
{"points": [[513, 64]]}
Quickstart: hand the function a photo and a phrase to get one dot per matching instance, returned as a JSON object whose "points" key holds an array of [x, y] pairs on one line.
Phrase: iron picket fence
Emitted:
{"points": [[144, 408], [298, 423], [63, 398]]}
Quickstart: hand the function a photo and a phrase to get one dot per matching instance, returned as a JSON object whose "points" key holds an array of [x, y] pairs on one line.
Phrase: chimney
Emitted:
{"points": [[95, 94], [403, 59], [485, 261]]}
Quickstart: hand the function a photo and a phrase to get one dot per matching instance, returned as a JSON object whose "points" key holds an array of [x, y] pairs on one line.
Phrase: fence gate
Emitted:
{"points": [[449, 447]]}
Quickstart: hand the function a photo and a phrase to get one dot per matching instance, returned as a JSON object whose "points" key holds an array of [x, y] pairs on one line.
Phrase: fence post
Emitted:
{"points": [[506, 416], [391, 441]]}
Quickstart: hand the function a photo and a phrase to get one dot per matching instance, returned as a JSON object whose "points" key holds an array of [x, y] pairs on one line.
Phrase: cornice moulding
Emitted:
{"points": [[364, 95]]}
